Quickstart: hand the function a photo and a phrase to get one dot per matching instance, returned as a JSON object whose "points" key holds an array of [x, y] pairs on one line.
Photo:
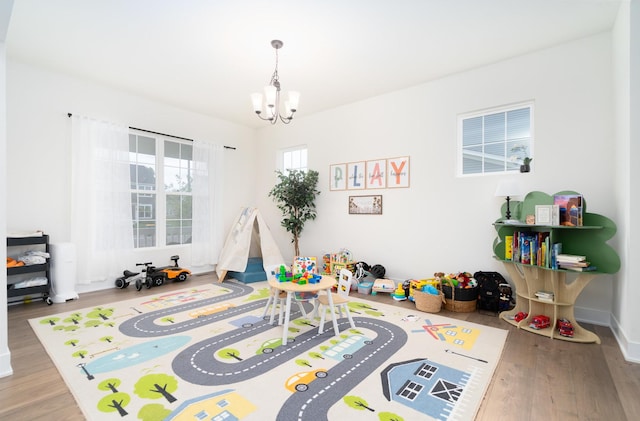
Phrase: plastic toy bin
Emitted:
{"points": [[365, 287]]}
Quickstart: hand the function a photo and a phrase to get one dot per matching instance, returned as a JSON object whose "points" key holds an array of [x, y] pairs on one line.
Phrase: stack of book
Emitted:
{"points": [[545, 296], [574, 262]]}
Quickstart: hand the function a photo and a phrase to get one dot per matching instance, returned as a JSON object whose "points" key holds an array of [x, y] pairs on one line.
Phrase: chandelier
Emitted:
{"points": [[271, 105]]}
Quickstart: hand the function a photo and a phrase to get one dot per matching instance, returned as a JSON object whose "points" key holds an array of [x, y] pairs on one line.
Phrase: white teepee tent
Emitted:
{"points": [[235, 253]]}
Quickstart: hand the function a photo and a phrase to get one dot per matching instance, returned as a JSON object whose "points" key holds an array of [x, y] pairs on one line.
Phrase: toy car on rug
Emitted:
{"points": [[152, 275]]}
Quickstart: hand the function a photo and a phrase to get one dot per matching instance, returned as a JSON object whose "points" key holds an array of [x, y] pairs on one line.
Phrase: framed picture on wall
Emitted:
{"points": [[376, 174], [365, 205], [398, 172], [355, 175], [338, 177]]}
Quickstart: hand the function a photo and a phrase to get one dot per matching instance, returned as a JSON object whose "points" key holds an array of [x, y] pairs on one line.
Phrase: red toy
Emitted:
{"points": [[520, 316], [565, 328], [540, 322]]}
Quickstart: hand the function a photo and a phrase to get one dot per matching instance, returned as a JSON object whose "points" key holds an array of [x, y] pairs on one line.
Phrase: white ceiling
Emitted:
{"points": [[209, 55]]}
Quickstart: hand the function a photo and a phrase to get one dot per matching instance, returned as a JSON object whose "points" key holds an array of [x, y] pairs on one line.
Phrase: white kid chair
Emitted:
{"points": [[340, 299], [277, 298]]}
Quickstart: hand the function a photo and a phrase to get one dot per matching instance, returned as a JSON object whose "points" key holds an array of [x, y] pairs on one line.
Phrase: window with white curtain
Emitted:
{"points": [[161, 189], [293, 159], [496, 140]]}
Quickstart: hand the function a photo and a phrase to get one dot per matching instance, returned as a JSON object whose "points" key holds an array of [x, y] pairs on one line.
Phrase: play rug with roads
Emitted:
{"points": [[206, 353]]}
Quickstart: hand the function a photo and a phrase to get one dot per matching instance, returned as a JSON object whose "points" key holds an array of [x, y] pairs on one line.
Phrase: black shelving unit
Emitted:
{"points": [[19, 294]]}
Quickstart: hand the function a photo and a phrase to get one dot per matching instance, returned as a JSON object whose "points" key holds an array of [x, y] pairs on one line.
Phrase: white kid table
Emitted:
{"points": [[325, 284]]}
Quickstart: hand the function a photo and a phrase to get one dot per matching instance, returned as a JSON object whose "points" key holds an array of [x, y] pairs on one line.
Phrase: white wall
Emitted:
{"points": [[626, 61], [39, 154], [5, 354], [443, 222]]}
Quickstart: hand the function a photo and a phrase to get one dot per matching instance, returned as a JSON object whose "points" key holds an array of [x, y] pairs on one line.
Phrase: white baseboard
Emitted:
{"points": [[630, 350], [595, 317], [5, 364]]}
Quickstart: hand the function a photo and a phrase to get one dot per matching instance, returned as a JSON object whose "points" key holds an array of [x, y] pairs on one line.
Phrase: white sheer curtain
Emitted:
{"points": [[101, 225], [207, 235]]}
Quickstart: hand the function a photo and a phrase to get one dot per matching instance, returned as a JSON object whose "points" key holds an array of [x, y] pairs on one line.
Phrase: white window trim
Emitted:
{"points": [[487, 111]]}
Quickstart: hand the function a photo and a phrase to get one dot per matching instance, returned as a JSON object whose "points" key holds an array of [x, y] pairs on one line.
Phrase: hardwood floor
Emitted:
{"points": [[537, 378]]}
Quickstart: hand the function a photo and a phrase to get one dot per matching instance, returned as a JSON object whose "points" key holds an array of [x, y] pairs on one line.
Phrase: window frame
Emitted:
{"points": [[515, 160], [282, 160], [160, 192]]}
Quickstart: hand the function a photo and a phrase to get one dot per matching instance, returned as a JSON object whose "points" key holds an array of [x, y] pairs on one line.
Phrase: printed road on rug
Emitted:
{"points": [[206, 353]]}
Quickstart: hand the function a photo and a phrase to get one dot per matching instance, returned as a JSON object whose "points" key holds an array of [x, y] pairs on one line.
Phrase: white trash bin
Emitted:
{"points": [[63, 272]]}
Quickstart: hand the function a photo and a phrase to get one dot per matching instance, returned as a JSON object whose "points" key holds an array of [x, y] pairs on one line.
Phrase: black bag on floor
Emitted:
{"points": [[489, 290]]}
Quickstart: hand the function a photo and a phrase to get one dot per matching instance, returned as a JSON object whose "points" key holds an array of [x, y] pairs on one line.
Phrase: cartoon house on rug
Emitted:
{"points": [[423, 385], [225, 405]]}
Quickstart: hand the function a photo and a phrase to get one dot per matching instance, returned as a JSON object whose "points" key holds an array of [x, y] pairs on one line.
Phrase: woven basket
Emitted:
{"points": [[428, 302], [466, 305]]}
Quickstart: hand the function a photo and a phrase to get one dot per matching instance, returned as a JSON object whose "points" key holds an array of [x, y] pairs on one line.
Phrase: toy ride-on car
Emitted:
{"points": [[152, 275]]}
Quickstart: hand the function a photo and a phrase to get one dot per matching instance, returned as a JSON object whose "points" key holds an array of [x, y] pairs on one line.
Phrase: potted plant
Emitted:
{"points": [[295, 195], [525, 167]]}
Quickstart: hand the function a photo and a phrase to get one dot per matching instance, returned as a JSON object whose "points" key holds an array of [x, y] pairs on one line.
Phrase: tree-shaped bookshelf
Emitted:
{"points": [[588, 240]]}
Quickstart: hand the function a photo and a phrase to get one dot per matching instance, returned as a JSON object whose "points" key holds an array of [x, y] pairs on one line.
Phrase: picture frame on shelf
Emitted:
{"points": [[569, 209], [543, 215], [365, 205]]}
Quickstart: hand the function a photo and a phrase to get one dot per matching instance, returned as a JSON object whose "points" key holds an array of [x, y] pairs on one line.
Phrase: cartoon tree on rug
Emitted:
{"points": [[80, 353], [72, 342], [389, 416], [50, 321], [155, 386], [115, 402], [92, 323], [110, 384], [357, 402], [100, 313], [73, 318], [316, 355], [227, 353], [153, 412], [304, 363]]}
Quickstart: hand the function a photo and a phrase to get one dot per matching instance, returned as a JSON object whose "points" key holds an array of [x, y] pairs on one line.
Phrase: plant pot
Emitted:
{"points": [[525, 168]]}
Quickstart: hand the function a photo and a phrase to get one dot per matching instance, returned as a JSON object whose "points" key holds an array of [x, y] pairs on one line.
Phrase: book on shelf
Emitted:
{"points": [[556, 249], [571, 257], [570, 209], [579, 268], [529, 248], [545, 296], [582, 264], [508, 247]]}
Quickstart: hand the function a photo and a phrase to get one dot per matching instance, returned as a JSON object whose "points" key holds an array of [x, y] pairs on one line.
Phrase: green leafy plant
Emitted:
{"points": [[526, 160], [295, 195]]}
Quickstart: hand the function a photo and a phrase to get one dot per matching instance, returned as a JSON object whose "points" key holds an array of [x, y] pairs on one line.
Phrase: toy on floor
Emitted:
{"points": [[402, 291], [383, 285], [152, 275]]}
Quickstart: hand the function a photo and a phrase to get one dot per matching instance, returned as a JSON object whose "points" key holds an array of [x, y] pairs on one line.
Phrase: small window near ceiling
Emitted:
{"points": [[496, 140], [293, 159]]}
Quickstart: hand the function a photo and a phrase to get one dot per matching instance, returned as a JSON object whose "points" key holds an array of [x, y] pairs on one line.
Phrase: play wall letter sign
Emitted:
{"points": [[338, 177], [355, 176], [386, 173], [398, 172]]}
